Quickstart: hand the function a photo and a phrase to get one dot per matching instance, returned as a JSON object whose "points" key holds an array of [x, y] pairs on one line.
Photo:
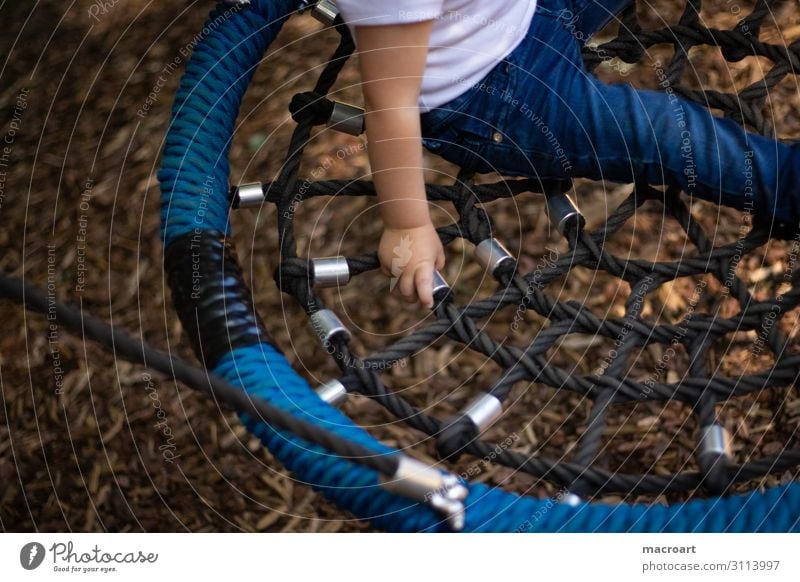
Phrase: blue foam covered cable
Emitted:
{"points": [[194, 183]]}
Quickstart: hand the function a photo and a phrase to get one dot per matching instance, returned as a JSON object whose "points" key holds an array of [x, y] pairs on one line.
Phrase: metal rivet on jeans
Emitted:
{"points": [[497, 137]]}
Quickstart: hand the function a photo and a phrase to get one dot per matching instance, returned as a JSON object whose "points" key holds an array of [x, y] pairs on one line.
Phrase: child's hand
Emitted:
{"points": [[409, 256]]}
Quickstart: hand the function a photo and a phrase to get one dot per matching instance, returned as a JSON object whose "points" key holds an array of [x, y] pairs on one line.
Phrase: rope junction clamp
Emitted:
{"points": [[346, 118], [491, 253], [248, 195], [325, 11], [330, 271], [333, 392], [440, 286], [329, 327], [484, 411], [443, 492], [564, 213], [715, 442]]}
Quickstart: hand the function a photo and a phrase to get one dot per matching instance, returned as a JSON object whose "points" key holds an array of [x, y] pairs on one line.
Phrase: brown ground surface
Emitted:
{"points": [[81, 453]]}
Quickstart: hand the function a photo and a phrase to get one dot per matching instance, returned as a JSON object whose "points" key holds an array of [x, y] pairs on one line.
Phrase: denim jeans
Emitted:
{"points": [[540, 114]]}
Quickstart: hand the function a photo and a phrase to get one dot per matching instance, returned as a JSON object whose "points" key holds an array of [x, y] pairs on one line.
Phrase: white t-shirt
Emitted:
{"points": [[468, 38]]}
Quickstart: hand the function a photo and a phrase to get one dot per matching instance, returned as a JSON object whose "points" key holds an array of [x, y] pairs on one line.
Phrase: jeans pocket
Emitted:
{"points": [[454, 146], [438, 118], [509, 160], [483, 101]]}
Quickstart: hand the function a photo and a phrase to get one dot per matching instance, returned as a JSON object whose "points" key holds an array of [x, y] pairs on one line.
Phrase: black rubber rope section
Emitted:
{"points": [[212, 300], [119, 343]]}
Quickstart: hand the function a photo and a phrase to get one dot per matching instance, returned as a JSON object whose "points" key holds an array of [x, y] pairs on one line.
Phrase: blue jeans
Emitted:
{"points": [[540, 114]]}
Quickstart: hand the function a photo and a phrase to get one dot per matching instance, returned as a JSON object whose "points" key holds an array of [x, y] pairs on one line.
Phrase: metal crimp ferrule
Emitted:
{"points": [[715, 442], [330, 271], [328, 326], [444, 492], [440, 286], [484, 411], [563, 212], [346, 118], [325, 11], [248, 195], [333, 392], [491, 253]]}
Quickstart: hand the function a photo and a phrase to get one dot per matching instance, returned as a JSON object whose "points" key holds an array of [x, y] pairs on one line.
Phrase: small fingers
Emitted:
{"points": [[406, 286], [424, 281], [440, 261]]}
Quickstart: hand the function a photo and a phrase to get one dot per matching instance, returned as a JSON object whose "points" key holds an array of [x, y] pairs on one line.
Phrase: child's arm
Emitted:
{"points": [[392, 61]]}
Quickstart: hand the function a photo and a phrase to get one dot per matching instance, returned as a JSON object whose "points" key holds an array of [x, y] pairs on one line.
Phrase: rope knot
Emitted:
{"points": [[292, 276], [457, 433], [311, 106]]}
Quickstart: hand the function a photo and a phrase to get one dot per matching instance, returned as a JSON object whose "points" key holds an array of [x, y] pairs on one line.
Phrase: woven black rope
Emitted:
{"points": [[695, 334]]}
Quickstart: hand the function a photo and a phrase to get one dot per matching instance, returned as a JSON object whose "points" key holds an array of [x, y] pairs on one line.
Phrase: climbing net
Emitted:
{"points": [[699, 388], [223, 324]]}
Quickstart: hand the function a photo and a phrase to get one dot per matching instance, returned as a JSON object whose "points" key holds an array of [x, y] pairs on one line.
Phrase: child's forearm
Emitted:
{"points": [[392, 61], [395, 154]]}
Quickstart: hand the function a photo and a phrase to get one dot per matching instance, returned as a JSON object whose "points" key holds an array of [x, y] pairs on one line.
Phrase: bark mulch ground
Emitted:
{"points": [[85, 100]]}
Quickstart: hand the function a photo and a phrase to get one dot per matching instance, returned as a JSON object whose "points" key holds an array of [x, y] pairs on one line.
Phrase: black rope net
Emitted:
{"points": [[701, 386]]}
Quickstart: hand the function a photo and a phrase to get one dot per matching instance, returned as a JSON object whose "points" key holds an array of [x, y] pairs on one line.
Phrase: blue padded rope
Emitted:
{"points": [[264, 373], [194, 168], [194, 182]]}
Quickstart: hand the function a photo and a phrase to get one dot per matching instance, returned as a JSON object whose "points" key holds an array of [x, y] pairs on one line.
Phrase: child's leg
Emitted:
{"points": [[621, 133], [552, 119], [589, 16]]}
